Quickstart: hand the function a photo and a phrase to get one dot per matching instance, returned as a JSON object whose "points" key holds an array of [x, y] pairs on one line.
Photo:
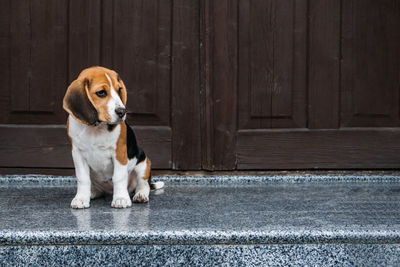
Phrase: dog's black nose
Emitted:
{"points": [[120, 112]]}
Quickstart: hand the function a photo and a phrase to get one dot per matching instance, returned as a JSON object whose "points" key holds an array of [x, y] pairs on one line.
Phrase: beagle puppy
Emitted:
{"points": [[106, 156]]}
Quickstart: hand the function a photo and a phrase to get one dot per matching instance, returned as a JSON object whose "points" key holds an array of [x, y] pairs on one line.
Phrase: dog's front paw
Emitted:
{"points": [[141, 196], [80, 203], [121, 202]]}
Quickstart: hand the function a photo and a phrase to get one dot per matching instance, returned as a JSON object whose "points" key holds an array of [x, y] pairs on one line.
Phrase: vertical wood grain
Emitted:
{"points": [[48, 55], [185, 108], [136, 42], [107, 36], [224, 83], [262, 19], [164, 40], [219, 83], [206, 100], [371, 65], [272, 64], [84, 35], [38, 37], [299, 82], [135, 51], [324, 63], [284, 50], [5, 59], [20, 54]]}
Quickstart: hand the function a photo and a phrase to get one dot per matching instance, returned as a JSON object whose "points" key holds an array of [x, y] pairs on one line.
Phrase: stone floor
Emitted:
{"points": [[350, 220]]}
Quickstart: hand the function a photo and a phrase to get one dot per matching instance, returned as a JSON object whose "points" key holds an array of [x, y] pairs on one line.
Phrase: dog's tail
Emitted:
{"points": [[155, 185]]}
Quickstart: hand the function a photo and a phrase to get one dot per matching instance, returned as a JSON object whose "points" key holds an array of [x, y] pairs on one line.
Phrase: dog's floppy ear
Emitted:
{"points": [[77, 103], [123, 93]]}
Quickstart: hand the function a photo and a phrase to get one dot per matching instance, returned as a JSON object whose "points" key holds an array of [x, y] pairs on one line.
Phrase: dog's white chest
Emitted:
{"points": [[100, 161], [97, 146]]}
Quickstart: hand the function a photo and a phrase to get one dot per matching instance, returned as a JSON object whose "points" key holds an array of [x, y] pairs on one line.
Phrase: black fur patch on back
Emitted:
{"points": [[132, 147]]}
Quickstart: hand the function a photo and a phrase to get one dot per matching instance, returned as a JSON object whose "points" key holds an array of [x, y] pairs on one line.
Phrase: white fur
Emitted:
{"points": [[114, 103], [96, 145], [94, 149], [158, 185], [121, 197], [82, 197]]}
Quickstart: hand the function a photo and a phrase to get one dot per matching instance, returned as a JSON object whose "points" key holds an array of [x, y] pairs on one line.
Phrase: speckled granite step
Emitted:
{"points": [[348, 220]]}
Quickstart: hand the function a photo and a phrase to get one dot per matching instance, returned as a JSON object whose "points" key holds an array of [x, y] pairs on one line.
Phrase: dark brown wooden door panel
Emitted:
{"points": [[34, 146], [323, 75], [271, 65], [33, 52], [319, 149], [370, 65]]}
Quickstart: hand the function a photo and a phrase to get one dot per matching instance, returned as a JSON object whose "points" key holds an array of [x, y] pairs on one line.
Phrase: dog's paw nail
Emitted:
{"points": [[80, 203], [121, 202], [140, 197]]}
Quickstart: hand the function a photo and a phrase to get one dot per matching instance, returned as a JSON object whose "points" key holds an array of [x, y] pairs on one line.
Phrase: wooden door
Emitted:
{"points": [[45, 44], [301, 84], [212, 84]]}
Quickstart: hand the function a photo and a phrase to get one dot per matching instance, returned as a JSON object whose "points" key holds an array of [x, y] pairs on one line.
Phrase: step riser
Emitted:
{"points": [[207, 255]]}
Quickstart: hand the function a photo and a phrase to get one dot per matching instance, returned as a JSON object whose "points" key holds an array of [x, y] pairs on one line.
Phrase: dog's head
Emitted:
{"points": [[98, 95]]}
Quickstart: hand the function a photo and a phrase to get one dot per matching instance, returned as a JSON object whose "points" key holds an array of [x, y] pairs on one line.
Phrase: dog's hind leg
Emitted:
{"points": [[143, 187], [95, 192]]}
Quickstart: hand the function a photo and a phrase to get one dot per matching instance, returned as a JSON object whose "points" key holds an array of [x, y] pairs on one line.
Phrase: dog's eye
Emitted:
{"points": [[119, 90], [101, 93]]}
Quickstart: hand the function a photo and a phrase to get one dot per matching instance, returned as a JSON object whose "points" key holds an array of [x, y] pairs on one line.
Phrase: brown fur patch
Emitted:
{"points": [[122, 93], [121, 149], [69, 137], [147, 172]]}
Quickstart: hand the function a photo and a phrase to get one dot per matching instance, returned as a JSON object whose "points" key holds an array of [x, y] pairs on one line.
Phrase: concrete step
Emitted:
{"points": [[286, 220]]}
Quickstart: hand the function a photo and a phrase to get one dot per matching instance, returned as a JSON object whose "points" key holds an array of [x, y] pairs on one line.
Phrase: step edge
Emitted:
{"points": [[45, 180], [198, 237]]}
